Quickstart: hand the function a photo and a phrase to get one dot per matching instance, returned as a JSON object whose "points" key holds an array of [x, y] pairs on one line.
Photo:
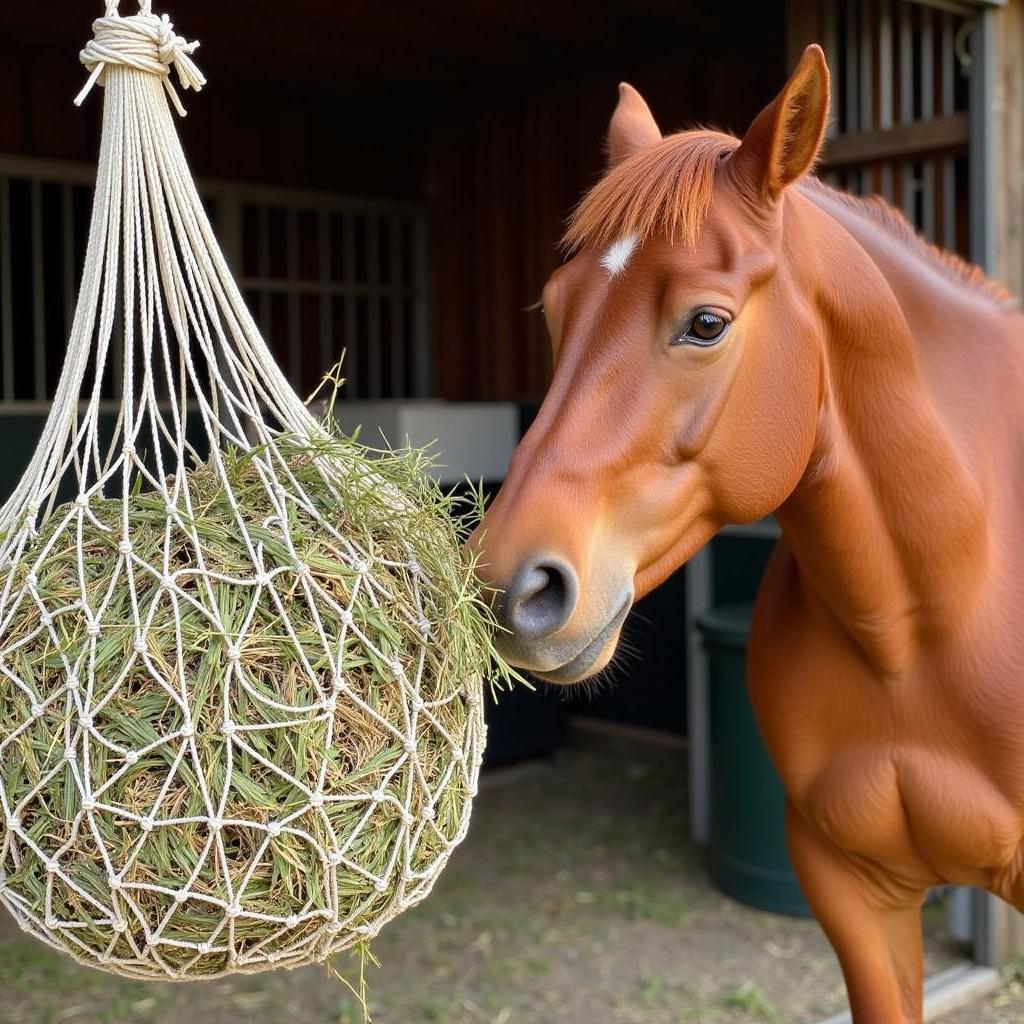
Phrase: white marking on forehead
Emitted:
{"points": [[617, 255]]}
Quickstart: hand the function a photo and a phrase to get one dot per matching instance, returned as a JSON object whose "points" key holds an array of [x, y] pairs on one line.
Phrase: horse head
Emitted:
{"points": [[687, 377]]}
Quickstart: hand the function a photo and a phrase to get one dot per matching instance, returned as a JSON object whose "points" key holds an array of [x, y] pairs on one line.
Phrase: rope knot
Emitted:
{"points": [[143, 42]]}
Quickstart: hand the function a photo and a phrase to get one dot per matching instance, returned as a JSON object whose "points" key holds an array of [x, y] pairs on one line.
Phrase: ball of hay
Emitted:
{"points": [[242, 732]]}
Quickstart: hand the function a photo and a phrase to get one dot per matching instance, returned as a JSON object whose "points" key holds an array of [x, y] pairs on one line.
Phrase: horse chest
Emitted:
{"points": [[895, 775], [915, 805]]}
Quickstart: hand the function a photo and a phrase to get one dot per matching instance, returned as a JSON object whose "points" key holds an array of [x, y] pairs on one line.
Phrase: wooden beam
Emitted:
{"points": [[904, 140]]}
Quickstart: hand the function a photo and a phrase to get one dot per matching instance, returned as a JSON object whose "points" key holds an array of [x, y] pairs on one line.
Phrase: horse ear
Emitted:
{"points": [[632, 126], [783, 141]]}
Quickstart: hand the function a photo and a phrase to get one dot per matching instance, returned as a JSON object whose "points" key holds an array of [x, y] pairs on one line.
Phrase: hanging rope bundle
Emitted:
{"points": [[241, 661]]}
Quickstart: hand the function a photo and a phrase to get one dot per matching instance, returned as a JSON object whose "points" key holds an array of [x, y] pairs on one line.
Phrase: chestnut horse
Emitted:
{"points": [[733, 339]]}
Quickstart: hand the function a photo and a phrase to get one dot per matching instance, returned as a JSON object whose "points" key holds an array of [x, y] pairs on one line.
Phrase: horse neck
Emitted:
{"points": [[887, 525]]}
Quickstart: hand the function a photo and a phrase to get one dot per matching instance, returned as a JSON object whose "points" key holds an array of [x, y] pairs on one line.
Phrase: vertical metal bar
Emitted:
{"points": [[865, 67], [888, 184], [67, 236], [909, 187], [263, 267], [986, 916], [397, 331], [698, 599], [6, 292], [948, 63], [948, 171], [948, 203], [852, 69], [885, 65], [351, 364], [866, 97], [423, 385], [906, 64], [374, 355], [38, 295], [926, 67], [326, 302], [830, 31], [908, 180], [291, 270], [927, 225], [926, 71], [981, 165]]}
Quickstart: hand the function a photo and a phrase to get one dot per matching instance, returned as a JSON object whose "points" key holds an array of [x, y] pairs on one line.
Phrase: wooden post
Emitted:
{"points": [[1008, 146]]}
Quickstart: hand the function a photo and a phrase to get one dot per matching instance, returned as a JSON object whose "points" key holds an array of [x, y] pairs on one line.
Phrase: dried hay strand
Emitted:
{"points": [[182, 799]]}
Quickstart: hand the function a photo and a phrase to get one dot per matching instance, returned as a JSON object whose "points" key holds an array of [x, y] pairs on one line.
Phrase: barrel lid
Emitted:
{"points": [[727, 624]]}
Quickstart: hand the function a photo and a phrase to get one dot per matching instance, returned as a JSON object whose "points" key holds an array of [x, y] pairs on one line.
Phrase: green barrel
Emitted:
{"points": [[749, 860]]}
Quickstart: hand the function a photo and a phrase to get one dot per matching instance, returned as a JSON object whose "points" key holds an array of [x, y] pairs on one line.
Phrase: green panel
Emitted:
{"points": [[749, 859], [738, 565]]}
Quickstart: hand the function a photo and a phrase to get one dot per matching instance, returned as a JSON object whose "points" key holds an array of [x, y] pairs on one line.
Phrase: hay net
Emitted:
{"points": [[234, 827]]}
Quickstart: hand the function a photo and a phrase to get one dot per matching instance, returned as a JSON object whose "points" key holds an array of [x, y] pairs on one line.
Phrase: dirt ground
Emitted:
{"points": [[576, 899]]}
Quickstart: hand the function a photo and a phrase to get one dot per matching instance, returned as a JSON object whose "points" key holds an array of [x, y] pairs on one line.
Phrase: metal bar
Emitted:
{"points": [[373, 341], [926, 71], [67, 234], [906, 65], [291, 270], [927, 225], [6, 293], [885, 65], [423, 385], [865, 68], [982, 166], [38, 293], [926, 67], [888, 182], [851, 69], [351, 366], [948, 64], [948, 203], [397, 340], [326, 301], [698, 599], [830, 38]]}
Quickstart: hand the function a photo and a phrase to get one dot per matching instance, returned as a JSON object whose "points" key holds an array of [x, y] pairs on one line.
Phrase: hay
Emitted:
{"points": [[188, 801]]}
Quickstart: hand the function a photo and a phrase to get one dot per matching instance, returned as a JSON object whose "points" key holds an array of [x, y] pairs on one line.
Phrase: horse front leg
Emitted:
{"points": [[873, 923]]}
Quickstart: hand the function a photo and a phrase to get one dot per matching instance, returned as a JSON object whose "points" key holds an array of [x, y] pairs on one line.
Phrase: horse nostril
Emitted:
{"points": [[541, 599]]}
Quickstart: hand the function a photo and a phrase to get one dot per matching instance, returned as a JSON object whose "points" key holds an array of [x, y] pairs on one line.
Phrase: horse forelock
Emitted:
{"points": [[662, 189]]}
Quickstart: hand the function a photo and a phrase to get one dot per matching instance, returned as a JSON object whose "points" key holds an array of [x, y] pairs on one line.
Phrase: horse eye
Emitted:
{"points": [[705, 328]]}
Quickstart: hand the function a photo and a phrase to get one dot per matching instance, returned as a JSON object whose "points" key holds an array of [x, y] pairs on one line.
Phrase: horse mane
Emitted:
{"points": [[892, 220], [641, 197]]}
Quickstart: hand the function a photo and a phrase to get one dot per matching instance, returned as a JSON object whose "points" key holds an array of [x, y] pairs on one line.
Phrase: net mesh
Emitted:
{"points": [[238, 730]]}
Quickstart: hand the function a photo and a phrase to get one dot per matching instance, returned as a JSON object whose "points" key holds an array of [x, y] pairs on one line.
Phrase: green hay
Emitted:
{"points": [[395, 516]]}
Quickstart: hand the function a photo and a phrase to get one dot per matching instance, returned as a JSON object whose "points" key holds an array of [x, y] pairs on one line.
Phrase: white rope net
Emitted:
{"points": [[170, 808]]}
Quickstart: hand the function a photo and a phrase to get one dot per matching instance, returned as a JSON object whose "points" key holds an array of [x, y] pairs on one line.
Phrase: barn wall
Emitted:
{"points": [[499, 161], [504, 175]]}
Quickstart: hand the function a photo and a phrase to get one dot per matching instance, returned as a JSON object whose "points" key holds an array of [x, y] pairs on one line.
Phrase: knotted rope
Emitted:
{"points": [[144, 42]]}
